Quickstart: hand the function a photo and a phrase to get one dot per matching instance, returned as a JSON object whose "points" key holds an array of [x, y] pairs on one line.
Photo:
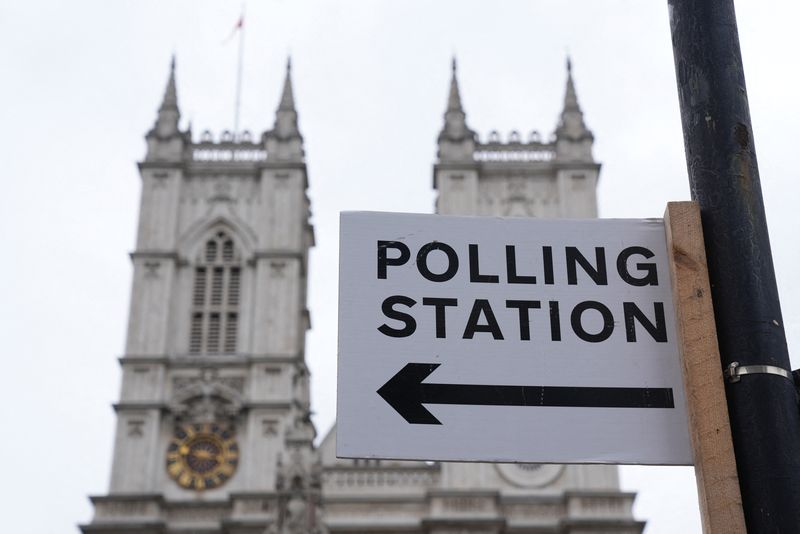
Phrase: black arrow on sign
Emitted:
{"points": [[406, 393]]}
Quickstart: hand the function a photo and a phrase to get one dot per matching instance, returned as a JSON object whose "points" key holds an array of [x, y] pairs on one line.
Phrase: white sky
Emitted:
{"points": [[82, 81]]}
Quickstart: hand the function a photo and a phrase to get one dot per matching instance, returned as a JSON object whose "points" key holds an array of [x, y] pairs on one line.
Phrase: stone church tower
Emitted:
{"points": [[530, 178], [520, 177], [213, 429]]}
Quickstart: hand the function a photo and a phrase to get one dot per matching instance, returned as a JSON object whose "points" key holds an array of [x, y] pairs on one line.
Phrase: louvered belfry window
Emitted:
{"points": [[215, 298]]}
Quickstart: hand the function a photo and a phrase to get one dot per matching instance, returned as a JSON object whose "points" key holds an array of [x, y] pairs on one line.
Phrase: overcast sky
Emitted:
{"points": [[80, 87]]}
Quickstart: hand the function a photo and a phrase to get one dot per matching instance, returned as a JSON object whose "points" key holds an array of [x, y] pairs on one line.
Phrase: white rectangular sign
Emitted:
{"points": [[509, 340]]}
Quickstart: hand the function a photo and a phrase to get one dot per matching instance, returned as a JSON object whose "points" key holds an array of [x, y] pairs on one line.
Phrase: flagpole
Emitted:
{"points": [[239, 78]]}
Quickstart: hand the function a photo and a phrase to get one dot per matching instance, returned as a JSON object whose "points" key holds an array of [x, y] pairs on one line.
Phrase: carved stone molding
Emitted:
{"points": [[207, 397]]}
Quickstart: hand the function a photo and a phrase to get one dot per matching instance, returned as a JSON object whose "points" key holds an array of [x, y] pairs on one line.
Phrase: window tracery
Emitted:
{"points": [[216, 291]]}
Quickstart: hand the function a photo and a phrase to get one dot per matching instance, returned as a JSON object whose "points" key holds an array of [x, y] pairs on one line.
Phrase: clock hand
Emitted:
{"points": [[203, 454]]}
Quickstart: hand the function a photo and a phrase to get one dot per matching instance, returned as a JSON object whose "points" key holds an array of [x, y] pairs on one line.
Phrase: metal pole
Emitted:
{"points": [[239, 77], [723, 174]]}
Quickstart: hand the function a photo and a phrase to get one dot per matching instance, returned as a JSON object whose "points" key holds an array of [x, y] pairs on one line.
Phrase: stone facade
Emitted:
{"points": [[213, 422], [213, 429]]}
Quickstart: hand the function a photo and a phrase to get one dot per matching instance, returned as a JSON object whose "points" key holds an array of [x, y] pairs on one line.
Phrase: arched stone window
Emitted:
{"points": [[215, 297]]}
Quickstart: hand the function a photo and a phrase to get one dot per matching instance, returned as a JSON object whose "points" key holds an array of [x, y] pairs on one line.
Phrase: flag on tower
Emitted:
{"points": [[236, 28]]}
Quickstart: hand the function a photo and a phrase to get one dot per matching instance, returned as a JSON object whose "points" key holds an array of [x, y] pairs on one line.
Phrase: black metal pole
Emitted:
{"points": [[723, 174]]}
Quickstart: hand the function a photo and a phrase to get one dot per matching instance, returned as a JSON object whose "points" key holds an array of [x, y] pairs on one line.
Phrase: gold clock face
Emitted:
{"points": [[202, 456]]}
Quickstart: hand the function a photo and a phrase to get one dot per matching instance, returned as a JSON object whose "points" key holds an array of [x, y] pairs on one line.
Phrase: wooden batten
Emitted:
{"points": [[712, 446]]}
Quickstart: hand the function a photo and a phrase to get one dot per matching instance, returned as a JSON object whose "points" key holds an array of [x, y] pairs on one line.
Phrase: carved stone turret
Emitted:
{"points": [[456, 140], [573, 139], [284, 141], [165, 142]]}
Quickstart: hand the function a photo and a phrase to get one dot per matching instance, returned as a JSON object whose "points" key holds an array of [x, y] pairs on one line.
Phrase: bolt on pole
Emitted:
{"points": [[724, 179]]}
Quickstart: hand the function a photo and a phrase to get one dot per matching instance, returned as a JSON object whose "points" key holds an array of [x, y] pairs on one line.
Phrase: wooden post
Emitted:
{"points": [[709, 426]]}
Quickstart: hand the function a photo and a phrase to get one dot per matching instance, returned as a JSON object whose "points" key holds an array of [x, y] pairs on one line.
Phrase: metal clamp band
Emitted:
{"points": [[735, 371]]}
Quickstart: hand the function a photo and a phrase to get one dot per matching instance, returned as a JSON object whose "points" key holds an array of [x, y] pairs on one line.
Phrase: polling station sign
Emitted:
{"points": [[509, 340]]}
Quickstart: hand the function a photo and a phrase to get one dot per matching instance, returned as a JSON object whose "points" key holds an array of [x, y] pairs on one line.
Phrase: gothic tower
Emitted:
{"points": [[530, 177], [213, 431], [556, 177]]}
